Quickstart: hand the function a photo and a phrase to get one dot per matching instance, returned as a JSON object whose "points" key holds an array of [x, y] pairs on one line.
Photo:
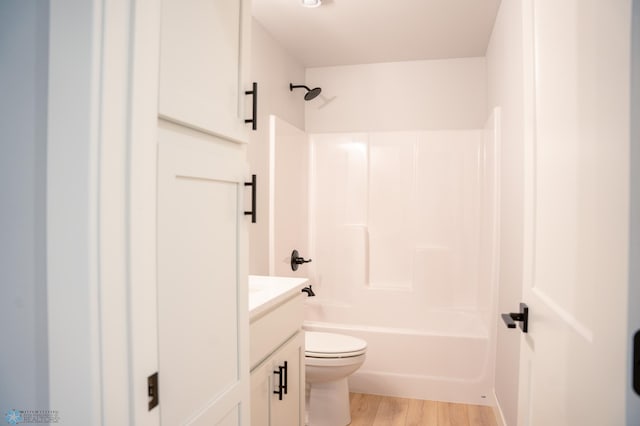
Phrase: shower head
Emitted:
{"points": [[311, 93]]}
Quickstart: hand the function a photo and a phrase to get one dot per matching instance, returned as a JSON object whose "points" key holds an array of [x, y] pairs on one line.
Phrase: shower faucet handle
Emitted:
{"points": [[296, 260]]}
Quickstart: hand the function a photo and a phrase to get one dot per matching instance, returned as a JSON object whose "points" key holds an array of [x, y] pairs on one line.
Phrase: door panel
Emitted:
{"points": [[201, 302], [201, 69], [576, 224]]}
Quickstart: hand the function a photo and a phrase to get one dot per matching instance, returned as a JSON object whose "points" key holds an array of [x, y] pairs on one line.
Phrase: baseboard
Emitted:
{"points": [[497, 410]]}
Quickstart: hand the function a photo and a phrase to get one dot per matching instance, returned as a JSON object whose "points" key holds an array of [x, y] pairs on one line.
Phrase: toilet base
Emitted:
{"points": [[328, 404]]}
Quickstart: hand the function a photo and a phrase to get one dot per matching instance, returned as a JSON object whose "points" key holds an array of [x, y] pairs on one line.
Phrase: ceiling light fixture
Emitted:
{"points": [[311, 3]]}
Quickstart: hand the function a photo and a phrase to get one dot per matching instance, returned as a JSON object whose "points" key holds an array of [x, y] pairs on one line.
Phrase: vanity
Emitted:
{"points": [[276, 354]]}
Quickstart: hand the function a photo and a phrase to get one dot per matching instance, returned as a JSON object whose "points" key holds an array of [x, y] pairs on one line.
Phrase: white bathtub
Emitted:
{"points": [[446, 359]]}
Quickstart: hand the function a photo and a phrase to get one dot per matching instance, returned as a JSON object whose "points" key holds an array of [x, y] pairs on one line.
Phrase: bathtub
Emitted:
{"points": [[446, 359]]}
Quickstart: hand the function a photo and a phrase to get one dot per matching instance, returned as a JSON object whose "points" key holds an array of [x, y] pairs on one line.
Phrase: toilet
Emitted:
{"points": [[329, 359]]}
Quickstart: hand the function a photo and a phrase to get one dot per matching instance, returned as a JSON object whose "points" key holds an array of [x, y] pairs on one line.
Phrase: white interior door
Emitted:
{"points": [[574, 358], [202, 290]]}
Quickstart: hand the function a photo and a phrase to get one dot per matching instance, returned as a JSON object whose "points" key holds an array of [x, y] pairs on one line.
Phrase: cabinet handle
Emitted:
{"points": [[254, 118], [254, 187], [281, 372], [286, 377]]}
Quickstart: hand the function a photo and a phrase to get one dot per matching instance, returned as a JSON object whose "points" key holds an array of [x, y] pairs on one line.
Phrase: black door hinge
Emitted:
{"points": [[154, 390]]}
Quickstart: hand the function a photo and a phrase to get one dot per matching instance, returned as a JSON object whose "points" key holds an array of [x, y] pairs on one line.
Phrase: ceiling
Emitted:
{"points": [[345, 32]]}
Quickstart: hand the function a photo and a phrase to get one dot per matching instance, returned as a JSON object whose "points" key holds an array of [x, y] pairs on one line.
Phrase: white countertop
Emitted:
{"points": [[267, 292]]}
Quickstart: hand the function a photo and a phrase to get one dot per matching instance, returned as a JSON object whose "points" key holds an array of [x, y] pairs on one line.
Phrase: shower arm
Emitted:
{"points": [[298, 86]]}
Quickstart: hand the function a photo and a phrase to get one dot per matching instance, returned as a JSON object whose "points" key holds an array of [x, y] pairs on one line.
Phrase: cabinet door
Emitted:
{"points": [[290, 410], [261, 391], [202, 288], [203, 65]]}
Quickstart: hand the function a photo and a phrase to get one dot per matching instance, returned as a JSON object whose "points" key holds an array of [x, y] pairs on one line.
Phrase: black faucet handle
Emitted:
{"points": [[296, 260]]}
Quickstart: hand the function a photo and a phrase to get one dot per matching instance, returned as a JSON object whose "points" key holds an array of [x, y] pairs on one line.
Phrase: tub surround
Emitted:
{"points": [[403, 228]]}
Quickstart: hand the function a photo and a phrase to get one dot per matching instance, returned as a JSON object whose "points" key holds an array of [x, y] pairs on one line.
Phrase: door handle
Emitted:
{"points": [[522, 317]]}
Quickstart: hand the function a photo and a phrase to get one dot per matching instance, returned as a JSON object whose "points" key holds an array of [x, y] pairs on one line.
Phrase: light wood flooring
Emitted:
{"points": [[375, 410]]}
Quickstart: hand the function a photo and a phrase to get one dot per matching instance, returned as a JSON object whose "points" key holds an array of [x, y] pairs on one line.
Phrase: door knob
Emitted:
{"points": [[522, 317]]}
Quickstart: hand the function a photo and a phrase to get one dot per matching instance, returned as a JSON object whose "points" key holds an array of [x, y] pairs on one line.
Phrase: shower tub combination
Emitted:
{"points": [[404, 239], [449, 361]]}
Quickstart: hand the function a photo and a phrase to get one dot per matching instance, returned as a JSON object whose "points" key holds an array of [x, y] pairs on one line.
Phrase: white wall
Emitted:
{"points": [[418, 95], [505, 89], [24, 27], [273, 68]]}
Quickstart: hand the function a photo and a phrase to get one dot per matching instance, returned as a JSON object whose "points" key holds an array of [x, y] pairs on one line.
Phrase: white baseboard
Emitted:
{"points": [[497, 410]]}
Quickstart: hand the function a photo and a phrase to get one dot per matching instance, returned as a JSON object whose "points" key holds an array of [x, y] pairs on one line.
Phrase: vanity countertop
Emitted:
{"points": [[268, 292]]}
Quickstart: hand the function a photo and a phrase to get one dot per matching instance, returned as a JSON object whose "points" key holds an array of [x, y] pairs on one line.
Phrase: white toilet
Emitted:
{"points": [[329, 359]]}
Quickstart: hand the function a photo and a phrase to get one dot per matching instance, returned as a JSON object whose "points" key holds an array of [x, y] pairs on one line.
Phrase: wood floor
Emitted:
{"points": [[375, 410]]}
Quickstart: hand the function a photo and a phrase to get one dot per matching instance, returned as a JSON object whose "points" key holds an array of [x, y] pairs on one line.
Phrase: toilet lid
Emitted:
{"points": [[330, 345]]}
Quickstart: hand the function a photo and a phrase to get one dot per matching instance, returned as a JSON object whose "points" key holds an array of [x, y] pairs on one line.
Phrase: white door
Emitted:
{"points": [[202, 290], [574, 358]]}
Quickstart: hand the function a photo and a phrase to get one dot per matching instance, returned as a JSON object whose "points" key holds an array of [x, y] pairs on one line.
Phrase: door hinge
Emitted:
{"points": [[154, 390]]}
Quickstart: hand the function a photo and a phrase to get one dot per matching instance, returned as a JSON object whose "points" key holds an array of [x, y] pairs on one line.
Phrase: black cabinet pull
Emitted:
{"points": [[254, 185], [254, 118], [286, 377], [281, 372]]}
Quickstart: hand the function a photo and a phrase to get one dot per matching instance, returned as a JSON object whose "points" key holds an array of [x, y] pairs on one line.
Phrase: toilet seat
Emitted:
{"points": [[331, 345]]}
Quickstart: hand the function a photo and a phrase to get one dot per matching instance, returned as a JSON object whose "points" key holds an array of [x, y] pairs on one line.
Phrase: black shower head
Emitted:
{"points": [[311, 93]]}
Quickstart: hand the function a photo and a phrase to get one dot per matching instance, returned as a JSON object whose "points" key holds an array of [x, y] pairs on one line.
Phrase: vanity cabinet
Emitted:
{"points": [[204, 65], [276, 386], [277, 365]]}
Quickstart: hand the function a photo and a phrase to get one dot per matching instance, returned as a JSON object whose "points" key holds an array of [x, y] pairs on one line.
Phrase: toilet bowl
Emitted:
{"points": [[329, 359]]}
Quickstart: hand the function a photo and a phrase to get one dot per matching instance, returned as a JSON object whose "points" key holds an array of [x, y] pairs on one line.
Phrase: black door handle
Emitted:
{"points": [[522, 317]]}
